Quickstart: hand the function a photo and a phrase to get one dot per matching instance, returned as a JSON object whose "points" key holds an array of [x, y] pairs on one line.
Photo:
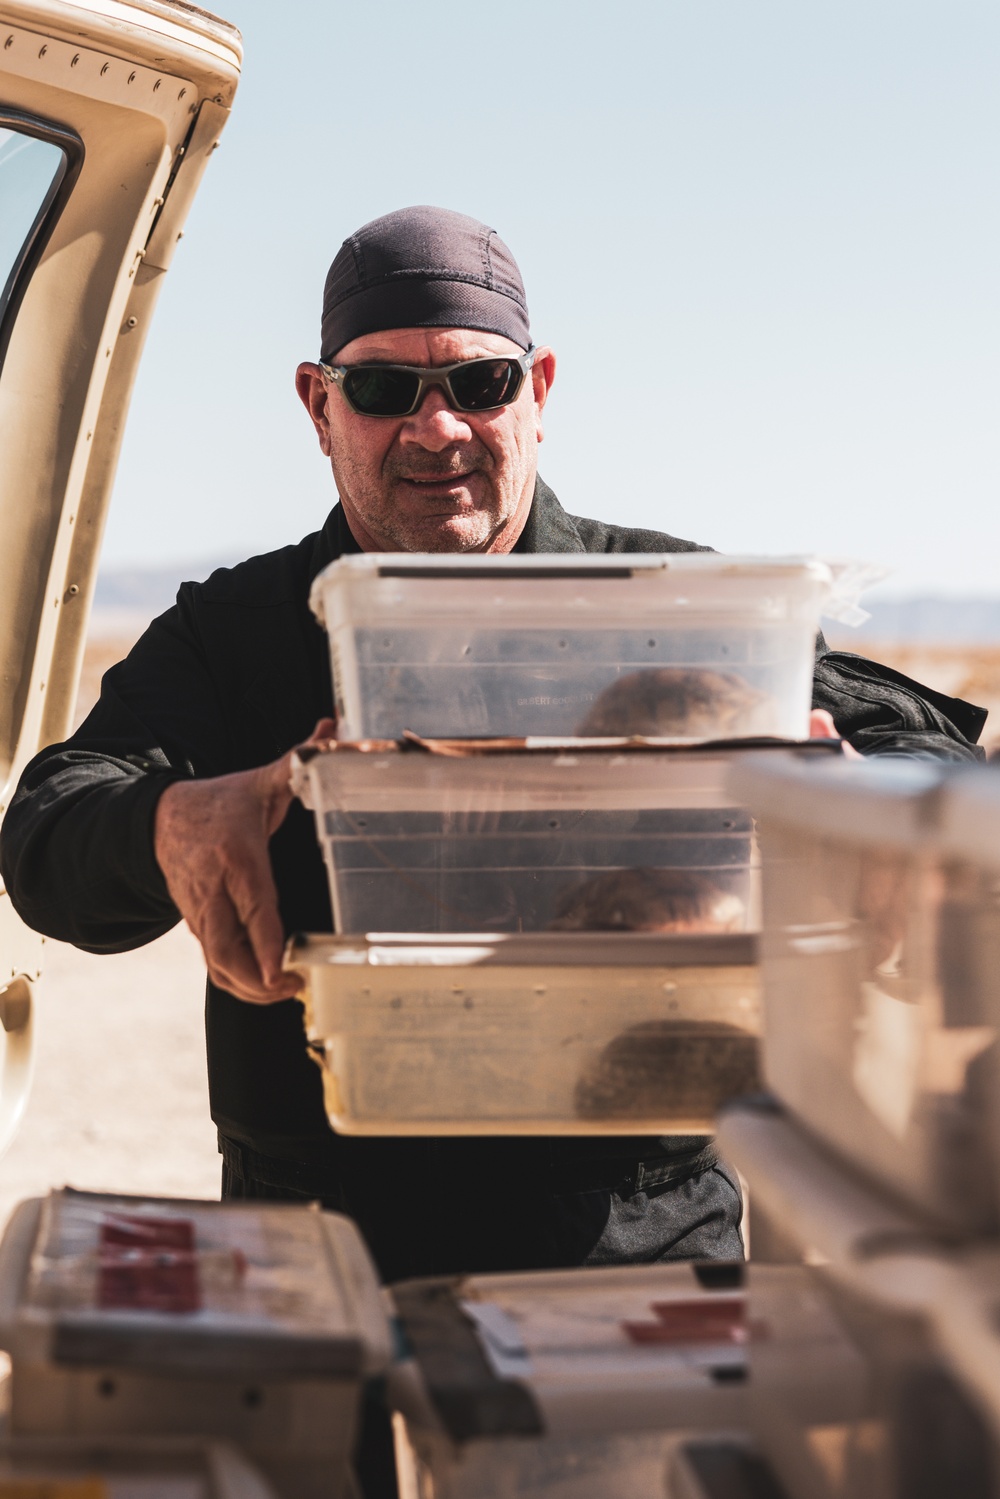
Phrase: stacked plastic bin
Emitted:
{"points": [[545, 902], [875, 1161], [544, 897], [142, 1332]]}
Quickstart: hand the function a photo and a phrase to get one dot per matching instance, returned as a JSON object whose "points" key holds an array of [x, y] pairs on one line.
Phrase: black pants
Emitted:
{"points": [[431, 1207]]}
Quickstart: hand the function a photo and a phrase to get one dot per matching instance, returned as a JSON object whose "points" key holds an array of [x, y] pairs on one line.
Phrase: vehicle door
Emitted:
{"points": [[109, 111]]}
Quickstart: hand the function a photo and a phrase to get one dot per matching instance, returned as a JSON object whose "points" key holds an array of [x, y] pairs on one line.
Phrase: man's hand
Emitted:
{"points": [[822, 726], [211, 841]]}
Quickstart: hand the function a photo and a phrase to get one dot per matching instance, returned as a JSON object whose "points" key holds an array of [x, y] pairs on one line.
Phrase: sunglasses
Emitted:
{"points": [[398, 389]]}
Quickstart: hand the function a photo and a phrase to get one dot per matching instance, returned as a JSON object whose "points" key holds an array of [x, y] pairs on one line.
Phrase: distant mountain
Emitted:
{"points": [[148, 590], [926, 620]]}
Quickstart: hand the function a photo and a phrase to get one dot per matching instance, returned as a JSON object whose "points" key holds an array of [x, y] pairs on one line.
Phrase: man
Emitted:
{"points": [[172, 799]]}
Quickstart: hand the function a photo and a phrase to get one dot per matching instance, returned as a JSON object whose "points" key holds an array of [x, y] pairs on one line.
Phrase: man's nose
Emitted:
{"points": [[434, 425]]}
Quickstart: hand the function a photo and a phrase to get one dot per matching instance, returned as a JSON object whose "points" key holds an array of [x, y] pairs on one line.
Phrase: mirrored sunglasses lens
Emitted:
{"points": [[483, 383], [380, 392]]}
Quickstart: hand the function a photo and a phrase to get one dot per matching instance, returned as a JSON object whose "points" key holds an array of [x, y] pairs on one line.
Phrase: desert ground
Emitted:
{"points": [[120, 1098]]}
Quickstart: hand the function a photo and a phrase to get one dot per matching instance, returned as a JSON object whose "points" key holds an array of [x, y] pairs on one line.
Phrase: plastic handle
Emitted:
{"points": [[16, 1017]]}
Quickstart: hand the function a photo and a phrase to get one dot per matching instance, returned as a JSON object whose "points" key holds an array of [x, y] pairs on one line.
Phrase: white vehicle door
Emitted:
{"points": [[109, 110]]}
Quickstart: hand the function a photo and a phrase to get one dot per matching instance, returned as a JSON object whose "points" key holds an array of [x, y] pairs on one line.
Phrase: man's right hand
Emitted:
{"points": [[211, 841]]}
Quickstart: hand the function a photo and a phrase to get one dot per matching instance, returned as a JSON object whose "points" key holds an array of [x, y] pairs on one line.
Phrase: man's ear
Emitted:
{"points": [[543, 372], [312, 388]]}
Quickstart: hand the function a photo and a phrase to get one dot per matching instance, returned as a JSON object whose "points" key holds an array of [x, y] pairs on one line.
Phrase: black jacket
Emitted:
{"points": [[231, 677]]}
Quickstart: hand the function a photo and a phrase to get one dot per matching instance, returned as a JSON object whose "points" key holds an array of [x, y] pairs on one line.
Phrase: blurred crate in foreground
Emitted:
{"points": [[253, 1323], [875, 1363], [565, 1384], [881, 969]]}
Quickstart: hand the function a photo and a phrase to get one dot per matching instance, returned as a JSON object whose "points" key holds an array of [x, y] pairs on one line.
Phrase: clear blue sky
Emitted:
{"points": [[763, 238]]}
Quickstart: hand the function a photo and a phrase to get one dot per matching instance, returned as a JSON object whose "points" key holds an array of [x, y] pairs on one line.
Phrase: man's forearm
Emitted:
{"points": [[76, 851]]}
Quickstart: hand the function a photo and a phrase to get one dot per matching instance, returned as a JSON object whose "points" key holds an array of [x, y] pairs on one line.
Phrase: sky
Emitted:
{"points": [[764, 240]]}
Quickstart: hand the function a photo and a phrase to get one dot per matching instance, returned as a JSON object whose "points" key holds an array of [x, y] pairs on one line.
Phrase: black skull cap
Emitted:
{"points": [[423, 268]]}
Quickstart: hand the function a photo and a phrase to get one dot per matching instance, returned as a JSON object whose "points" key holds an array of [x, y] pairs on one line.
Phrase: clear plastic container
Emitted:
{"points": [[138, 1317], [559, 1033], [526, 840], [564, 1384], [881, 972], [874, 1370], [484, 645]]}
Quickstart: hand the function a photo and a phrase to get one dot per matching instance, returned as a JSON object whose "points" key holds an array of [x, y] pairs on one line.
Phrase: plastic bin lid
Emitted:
{"points": [[217, 1289], [824, 1205], [835, 585], [563, 1352], [893, 800], [549, 565], [403, 777], [524, 950]]}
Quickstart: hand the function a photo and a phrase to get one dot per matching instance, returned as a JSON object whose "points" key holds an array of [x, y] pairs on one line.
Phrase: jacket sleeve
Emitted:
{"points": [[882, 712], [76, 845]]}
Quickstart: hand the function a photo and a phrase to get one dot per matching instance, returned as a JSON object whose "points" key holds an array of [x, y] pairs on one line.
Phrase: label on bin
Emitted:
{"points": [[707, 1319], [147, 1264]]}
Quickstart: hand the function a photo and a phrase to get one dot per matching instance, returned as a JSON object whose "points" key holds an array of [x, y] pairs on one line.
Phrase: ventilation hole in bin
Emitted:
{"points": [[106, 1388], [651, 644], [721, 1275], [729, 1374], [253, 1397]]}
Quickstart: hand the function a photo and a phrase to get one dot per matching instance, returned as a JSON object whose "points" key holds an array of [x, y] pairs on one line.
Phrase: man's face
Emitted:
{"points": [[439, 480]]}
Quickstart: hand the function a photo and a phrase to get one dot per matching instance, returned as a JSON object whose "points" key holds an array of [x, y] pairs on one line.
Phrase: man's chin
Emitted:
{"points": [[448, 533]]}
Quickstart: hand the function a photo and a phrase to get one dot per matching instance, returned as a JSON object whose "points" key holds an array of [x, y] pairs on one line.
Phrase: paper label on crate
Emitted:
{"points": [[500, 1339], [133, 1261], [147, 1264], [696, 1320]]}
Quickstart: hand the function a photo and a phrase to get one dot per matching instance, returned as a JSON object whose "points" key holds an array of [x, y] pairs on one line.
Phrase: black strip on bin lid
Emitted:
{"points": [[637, 745], [394, 570], [469, 1398], [88, 1341], [721, 1275]]}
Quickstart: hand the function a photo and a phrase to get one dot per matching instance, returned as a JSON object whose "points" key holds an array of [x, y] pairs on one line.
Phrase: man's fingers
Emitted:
{"points": [[232, 962], [255, 900], [821, 725], [325, 729]]}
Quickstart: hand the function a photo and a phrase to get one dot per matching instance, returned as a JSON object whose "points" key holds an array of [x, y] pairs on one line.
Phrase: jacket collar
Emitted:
{"points": [[548, 527]]}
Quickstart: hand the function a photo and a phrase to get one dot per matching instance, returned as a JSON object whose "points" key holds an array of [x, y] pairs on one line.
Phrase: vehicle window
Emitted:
{"points": [[32, 170]]}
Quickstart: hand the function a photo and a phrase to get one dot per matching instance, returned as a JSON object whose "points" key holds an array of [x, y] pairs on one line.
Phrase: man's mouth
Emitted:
{"points": [[447, 481]]}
